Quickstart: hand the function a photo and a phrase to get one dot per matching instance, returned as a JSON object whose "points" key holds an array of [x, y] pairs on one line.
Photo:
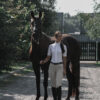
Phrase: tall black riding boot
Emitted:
{"points": [[59, 93], [54, 93]]}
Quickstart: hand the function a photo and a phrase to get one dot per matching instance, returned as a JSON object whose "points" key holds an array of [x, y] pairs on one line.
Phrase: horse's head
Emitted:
{"points": [[36, 26]]}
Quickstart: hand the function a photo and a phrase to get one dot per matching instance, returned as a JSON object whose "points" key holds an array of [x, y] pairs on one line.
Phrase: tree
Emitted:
{"points": [[15, 27], [93, 26], [71, 24], [83, 18], [91, 22], [7, 40]]}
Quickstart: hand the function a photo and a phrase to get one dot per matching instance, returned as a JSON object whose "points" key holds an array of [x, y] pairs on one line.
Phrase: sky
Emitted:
{"points": [[74, 6]]}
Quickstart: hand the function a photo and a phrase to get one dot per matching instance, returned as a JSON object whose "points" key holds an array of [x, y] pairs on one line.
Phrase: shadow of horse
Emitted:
{"points": [[38, 51]]}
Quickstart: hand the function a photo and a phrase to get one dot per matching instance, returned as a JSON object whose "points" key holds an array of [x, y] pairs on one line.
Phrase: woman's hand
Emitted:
{"points": [[42, 62], [45, 60]]}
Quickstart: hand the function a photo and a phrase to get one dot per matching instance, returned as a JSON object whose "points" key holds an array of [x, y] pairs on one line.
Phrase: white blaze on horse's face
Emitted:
{"points": [[36, 25], [34, 28]]}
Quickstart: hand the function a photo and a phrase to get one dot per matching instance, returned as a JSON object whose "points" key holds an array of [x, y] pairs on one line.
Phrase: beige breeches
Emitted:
{"points": [[56, 74]]}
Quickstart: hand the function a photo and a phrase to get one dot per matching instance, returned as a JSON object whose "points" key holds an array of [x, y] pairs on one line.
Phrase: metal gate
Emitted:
{"points": [[89, 51]]}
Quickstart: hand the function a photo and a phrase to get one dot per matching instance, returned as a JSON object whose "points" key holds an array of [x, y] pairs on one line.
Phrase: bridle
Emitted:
{"points": [[36, 28], [37, 41]]}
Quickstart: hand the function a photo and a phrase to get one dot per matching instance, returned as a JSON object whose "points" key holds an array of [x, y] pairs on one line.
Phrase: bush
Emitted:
{"points": [[7, 41]]}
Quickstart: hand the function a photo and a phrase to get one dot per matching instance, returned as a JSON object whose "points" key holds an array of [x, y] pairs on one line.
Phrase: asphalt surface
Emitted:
{"points": [[22, 86]]}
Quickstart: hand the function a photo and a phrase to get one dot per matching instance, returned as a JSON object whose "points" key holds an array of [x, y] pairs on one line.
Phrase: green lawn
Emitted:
{"points": [[98, 63], [18, 66]]}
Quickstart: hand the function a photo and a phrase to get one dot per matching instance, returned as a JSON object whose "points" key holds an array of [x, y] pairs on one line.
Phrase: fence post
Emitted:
{"points": [[88, 47], [97, 52]]}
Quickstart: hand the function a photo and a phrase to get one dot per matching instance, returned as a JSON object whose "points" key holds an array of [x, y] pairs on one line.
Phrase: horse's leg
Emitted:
{"points": [[68, 75], [36, 68], [69, 90], [77, 94], [76, 74], [77, 80], [45, 83]]}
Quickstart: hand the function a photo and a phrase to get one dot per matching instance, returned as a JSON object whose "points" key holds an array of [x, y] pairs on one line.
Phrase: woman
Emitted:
{"points": [[58, 54]]}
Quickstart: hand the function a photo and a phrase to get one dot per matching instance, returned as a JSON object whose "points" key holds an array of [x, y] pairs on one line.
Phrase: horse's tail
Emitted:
{"points": [[30, 53]]}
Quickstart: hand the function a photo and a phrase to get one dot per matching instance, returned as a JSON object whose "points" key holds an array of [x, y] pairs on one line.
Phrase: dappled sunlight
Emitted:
{"points": [[23, 87], [17, 74]]}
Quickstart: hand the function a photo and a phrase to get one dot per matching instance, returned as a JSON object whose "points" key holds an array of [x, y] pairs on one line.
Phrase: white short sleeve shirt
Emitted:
{"points": [[55, 52]]}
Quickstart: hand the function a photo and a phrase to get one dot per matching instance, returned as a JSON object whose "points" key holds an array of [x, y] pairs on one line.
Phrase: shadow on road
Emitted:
{"points": [[23, 85], [89, 64]]}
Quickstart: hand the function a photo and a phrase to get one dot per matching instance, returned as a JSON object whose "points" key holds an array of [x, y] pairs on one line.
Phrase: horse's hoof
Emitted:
{"points": [[37, 98], [77, 98], [45, 97]]}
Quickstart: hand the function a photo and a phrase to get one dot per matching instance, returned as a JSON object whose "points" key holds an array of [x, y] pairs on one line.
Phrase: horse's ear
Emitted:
{"points": [[32, 14], [40, 14]]}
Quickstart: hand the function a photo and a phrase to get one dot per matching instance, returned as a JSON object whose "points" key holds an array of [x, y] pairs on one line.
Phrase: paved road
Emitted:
{"points": [[22, 86]]}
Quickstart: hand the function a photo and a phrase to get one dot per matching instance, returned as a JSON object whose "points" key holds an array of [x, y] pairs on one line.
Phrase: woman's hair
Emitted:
{"points": [[57, 33]]}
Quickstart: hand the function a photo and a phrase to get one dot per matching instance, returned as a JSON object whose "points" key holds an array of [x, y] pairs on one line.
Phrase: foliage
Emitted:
{"points": [[71, 24], [91, 21], [84, 17], [15, 31], [93, 27], [7, 40], [49, 19]]}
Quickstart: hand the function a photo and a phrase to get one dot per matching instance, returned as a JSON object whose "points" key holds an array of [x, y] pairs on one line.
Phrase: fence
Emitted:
{"points": [[90, 51]]}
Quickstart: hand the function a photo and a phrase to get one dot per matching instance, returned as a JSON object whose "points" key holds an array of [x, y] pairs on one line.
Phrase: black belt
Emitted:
{"points": [[56, 63]]}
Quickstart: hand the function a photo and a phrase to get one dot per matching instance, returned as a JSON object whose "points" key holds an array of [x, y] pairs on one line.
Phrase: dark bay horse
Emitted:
{"points": [[38, 51]]}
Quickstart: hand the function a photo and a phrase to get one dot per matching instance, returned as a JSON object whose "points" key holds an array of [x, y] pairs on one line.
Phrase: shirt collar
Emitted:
{"points": [[57, 43]]}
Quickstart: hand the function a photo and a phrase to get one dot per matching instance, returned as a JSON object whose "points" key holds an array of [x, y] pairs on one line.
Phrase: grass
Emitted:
{"points": [[16, 66], [20, 64], [22, 70], [98, 63]]}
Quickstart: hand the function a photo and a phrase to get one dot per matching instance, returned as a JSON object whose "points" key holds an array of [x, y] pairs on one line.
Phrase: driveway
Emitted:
{"points": [[21, 86]]}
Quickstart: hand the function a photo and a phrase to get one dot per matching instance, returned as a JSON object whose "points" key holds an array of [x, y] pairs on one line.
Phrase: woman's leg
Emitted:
{"points": [[54, 93], [52, 75], [59, 93], [59, 76]]}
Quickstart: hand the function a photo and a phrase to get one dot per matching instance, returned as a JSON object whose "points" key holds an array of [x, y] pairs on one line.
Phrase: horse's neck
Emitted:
{"points": [[35, 46], [44, 40]]}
